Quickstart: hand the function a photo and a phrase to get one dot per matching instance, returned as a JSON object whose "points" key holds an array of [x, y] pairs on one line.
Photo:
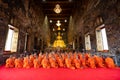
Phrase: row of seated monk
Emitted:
{"points": [[65, 60]]}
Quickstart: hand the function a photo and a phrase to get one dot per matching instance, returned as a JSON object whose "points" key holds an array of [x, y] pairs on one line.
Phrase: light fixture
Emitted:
{"points": [[58, 23], [57, 9], [63, 29], [50, 21], [53, 29], [70, 0], [65, 20], [44, 0]]}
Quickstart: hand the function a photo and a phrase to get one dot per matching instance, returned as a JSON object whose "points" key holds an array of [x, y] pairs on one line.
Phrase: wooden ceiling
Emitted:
{"points": [[67, 8]]}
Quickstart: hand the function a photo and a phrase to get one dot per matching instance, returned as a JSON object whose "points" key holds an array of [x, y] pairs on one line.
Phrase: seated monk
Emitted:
{"points": [[26, 62], [45, 63], [83, 62], [91, 62], [60, 62], [10, 62], [99, 61], [36, 63], [87, 55], [52, 62], [31, 59], [109, 62], [80, 56], [18, 63], [63, 58], [76, 62], [68, 63], [40, 57]]}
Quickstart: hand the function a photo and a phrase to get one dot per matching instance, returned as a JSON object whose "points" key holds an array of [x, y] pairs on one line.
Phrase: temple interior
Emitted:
{"points": [[33, 26]]}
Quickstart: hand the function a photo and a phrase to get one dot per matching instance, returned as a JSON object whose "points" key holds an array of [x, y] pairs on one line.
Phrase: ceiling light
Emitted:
{"points": [[57, 9], [44, 0], [50, 21], [70, 0], [65, 20], [53, 29], [63, 29]]}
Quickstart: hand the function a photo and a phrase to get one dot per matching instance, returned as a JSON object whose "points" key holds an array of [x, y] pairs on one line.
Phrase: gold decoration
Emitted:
{"points": [[59, 42]]}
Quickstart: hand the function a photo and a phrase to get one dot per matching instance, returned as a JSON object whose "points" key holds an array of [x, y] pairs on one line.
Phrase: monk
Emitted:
{"points": [[68, 63], [10, 62], [60, 61], [52, 62], [91, 62], [109, 62], [36, 63], [45, 62], [18, 63], [40, 57], [87, 55], [31, 59], [26, 62], [76, 62], [99, 61]]}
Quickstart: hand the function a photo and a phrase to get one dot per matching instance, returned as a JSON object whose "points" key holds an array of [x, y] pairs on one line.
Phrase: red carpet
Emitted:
{"points": [[59, 74]]}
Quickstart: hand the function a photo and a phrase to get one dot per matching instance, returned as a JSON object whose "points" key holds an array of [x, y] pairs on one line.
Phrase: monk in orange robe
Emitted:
{"points": [[109, 62], [87, 55], [52, 62], [18, 63], [26, 62], [40, 57], [45, 63], [36, 63], [99, 61], [80, 56], [77, 63], [31, 59], [63, 58], [60, 62], [91, 62], [68, 63], [10, 62]]}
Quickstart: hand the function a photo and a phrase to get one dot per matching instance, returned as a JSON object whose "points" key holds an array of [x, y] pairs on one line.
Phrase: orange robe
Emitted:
{"points": [[45, 63], [36, 63], [10, 62], [18, 63], [53, 63], [99, 61], [68, 63], [40, 57], [83, 62], [91, 62], [109, 62], [77, 63], [60, 62], [31, 60], [86, 55], [26, 62]]}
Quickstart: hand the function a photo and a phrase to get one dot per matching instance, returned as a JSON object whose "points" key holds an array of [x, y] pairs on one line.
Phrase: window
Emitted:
{"points": [[12, 39], [87, 42], [102, 44]]}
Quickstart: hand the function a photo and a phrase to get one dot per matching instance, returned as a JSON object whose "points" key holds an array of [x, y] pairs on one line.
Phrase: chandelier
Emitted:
{"points": [[57, 9]]}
